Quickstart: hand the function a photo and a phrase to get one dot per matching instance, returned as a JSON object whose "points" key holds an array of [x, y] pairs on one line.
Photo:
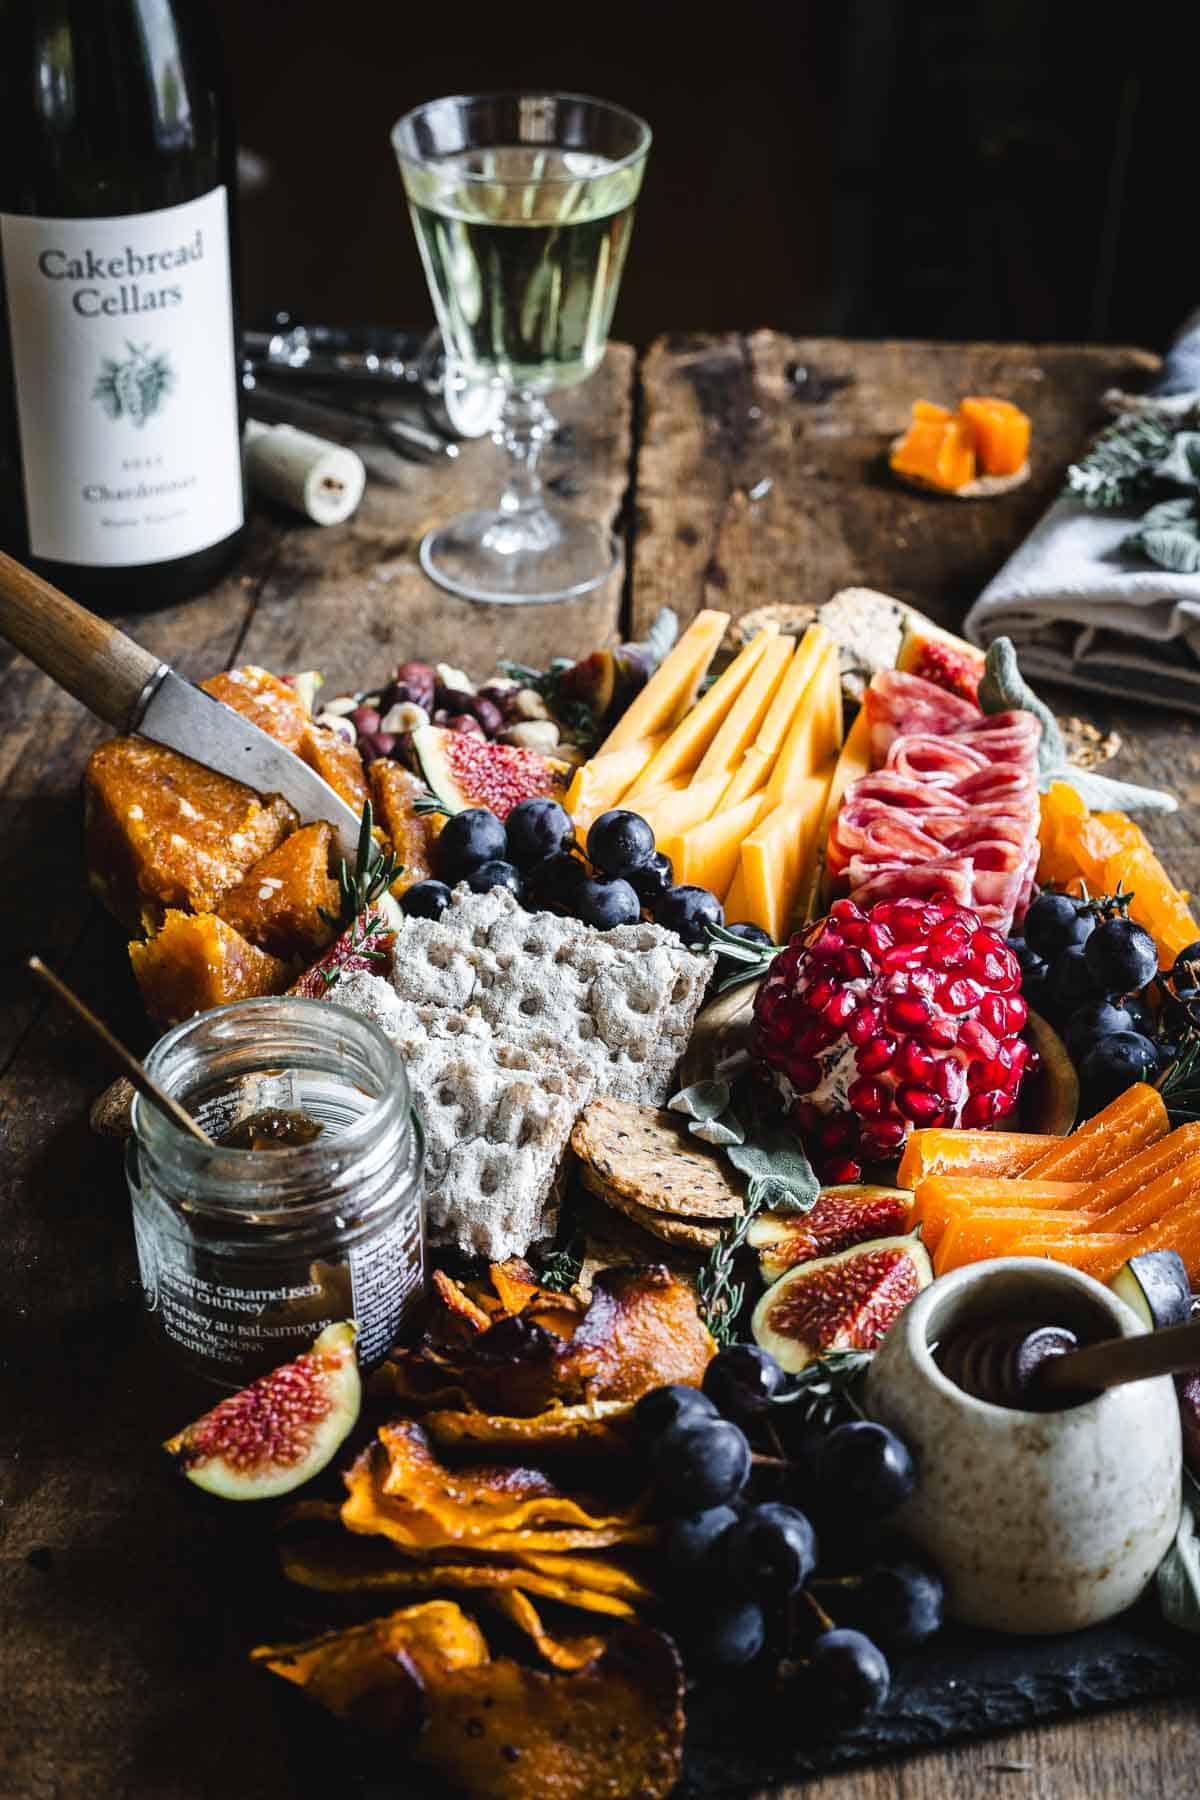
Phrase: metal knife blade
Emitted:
{"points": [[182, 716]]}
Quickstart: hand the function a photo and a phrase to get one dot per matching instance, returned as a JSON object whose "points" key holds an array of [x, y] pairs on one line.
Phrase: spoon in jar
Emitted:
{"points": [[1036, 1367], [144, 1084]]}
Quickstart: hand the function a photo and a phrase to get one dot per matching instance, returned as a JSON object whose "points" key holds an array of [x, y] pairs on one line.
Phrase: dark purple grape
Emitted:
{"points": [[695, 1541], [606, 902], [751, 934], [1095, 1019], [466, 840], [865, 1470], [901, 1603], [619, 840], [663, 1407], [689, 911], [741, 1380], [496, 874], [847, 1677], [1114, 1064], [538, 829], [701, 1462], [772, 1550], [1121, 957], [1053, 922], [649, 880], [727, 1635], [425, 900], [1068, 983], [554, 884]]}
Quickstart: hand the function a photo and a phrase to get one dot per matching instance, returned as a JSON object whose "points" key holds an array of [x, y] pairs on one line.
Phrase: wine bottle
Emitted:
{"points": [[120, 454]]}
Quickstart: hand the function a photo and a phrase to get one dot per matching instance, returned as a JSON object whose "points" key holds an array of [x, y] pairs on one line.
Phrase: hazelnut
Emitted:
{"points": [[527, 703], [465, 722], [375, 745], [338, 723], [448, 677], [405, 715], [489, 715], [457, 700], [366, 718], [532, 734], [341, 704], [417, 680]]}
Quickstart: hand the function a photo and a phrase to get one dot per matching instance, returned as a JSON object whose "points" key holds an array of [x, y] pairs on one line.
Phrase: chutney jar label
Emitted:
{"points": [[126, 382]]}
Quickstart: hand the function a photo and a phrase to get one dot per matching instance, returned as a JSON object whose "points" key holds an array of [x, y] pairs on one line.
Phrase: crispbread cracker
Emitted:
{"points": [[646, 1155], [662, 1225]]}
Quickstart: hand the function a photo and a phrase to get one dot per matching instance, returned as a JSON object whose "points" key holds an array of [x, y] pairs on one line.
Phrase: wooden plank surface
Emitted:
{"points": [[129, 1603]]}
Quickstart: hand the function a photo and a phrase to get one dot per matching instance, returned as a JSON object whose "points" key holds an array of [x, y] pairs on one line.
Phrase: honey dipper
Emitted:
{"points": [[1037, 1367]]}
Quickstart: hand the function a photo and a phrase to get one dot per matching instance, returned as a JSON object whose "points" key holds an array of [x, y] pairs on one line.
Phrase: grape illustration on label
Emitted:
{"points": [[135, 388]]}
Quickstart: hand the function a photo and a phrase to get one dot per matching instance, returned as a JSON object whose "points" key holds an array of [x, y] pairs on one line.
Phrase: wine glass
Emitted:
{"points": [[523, 207]]}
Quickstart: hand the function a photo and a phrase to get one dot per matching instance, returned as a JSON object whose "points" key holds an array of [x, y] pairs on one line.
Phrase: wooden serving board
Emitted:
{"points": [[130, 1601]]}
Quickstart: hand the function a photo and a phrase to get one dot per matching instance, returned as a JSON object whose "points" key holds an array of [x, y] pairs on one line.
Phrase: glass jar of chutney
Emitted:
{"points": [[247, 1253]]}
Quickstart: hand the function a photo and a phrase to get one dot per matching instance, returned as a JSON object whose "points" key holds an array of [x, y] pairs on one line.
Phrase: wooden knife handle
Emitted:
{"points": [[84, 654]]}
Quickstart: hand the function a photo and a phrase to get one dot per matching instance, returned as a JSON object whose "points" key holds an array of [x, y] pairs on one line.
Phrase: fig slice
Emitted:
{"points": [[851, 1213], [276, 1434], [844, 1302]]}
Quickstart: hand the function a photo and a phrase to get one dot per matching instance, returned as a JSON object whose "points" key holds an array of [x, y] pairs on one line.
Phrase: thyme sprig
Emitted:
{"points": [[721, 1295], [374, 872], [561, 1268], [825, 1387], [1179, 1083], [1122, 465]]}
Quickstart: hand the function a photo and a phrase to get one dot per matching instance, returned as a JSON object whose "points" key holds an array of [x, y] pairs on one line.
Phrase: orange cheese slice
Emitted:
{"points": [[773, 856], [693, 735], [707, 855], [746, 716], [601, 783], [673, 687], [757, 763], [854, 760]]}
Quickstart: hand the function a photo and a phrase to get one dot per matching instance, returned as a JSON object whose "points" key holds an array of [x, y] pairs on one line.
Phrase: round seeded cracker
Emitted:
{"points": [[646, 1154], [662, 1225]]}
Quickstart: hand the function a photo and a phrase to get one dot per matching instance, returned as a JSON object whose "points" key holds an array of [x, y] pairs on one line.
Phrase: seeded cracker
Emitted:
{"points": [[646, 1155], [666, 1226]]}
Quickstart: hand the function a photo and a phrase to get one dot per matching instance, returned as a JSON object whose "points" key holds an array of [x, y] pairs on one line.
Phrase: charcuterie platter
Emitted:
{"points": [[739, 1029]]}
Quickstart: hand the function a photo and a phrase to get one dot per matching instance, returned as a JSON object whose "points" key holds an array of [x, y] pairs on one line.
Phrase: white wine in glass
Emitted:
{"points": [[522, 207]]}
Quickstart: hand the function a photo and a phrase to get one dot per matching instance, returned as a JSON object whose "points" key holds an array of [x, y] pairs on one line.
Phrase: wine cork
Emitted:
{"points": [[322, 480]]}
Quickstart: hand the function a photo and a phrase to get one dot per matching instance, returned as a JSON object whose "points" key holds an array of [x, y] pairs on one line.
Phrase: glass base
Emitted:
{"points": [[519, 559]]}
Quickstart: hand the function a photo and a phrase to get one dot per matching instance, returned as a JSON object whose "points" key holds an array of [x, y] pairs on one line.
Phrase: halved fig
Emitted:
{"points": [[852, 1213], [844, 1302], [1155, 1284], [281, 1430], [937, 655]]}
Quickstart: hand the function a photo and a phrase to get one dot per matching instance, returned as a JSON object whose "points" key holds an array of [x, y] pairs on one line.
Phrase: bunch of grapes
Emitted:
{"points": [[744, 1523]]}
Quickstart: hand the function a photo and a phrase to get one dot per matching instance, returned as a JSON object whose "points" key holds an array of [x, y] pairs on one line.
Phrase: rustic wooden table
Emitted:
{"points": [[739, 470]]}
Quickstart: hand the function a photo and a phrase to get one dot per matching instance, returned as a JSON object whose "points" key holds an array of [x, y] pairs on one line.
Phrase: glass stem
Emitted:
{"points": [[524, 428]]}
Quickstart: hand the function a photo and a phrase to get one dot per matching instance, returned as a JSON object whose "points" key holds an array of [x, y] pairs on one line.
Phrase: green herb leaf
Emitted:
{"points": [[1182, 462], [560, 1269], [1103, 793], [1170, 512], [1178, 1578], [777, 1167], [822, 1390], [719, 1296], [704, 1100], [1122, 464], [375, 870], [1172, 547]]}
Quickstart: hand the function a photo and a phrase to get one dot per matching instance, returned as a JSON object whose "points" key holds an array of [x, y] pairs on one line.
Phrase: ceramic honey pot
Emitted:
{"points": [[1039, 1521]]}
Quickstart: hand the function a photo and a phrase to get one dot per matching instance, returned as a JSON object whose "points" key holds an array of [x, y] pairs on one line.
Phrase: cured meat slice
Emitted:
{"points": [[952, 875], [899, 703], [942, 761]]}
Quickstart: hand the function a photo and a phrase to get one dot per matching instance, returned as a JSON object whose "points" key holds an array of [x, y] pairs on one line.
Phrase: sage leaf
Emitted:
{"points": [[1169, 512], [723, 1131], [1003, 688], [1171, 547], [662, 634], [703, 1101], [1182, 462], [773, 1159], [1178, 1578]]}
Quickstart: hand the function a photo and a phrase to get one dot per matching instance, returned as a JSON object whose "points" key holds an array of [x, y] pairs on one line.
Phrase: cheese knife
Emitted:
{"points": [[130, 689]]}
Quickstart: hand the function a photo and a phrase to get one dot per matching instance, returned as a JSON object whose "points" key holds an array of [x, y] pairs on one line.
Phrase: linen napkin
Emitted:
{"points": [[1081, 604]]}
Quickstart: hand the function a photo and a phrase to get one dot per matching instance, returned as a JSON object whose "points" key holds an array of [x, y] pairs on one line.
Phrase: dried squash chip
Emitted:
{"points": [[568, 1653], [284, 904], [612, 1731], [262, 698], [336, 762], [196, 961], [454, 1295], [335, 1563], [641, 1330], [600, 1426], [399, 1490], [411, 834]]}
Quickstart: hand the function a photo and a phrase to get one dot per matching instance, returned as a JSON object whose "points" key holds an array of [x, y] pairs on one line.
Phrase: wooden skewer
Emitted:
{"points": [[132, 1067]]}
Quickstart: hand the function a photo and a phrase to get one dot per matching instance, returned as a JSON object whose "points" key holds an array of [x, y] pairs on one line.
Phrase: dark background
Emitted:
{"points": [[989, 169]]}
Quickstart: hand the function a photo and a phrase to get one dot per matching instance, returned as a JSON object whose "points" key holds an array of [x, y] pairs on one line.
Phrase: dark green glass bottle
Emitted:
{"points": [[120, 458]]}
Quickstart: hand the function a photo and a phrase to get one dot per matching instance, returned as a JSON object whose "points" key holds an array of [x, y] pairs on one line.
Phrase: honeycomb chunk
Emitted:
{"points": [[278, 904], [337, 762], [162, 831], [197, 961], [263, 699], [411, 834]]}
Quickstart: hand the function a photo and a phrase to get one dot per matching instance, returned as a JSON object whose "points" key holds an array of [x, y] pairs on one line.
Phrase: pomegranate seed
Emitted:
{"points": [[842, 910], [804, 1072], [903, 956], [870, 1099], [842, 1008], [853, 964], [840, 1171], [941, 1032], [913, 1062], [976, 1039], [864, 1025], [826, 945], [815, 1036], [984, 1109], [949, 1080], [806, 1117], [918, 1103], [906, 1012], [884, 913], [876, 1056], [875, 940], [960, 994], [950, 945], [881, 1136], [821, 992], [837, 1132], [909, 922]]}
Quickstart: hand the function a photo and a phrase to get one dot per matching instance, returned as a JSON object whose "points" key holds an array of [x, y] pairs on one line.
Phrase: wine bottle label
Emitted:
{"points": [[126, 384]]}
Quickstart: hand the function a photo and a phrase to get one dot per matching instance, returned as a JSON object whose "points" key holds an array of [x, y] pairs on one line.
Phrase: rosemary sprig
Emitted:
{"points": [[743, 961], [1179, 1083], [362, 942], [375, 870], [823, 1388], [1123, 463], [719, 1295]]}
